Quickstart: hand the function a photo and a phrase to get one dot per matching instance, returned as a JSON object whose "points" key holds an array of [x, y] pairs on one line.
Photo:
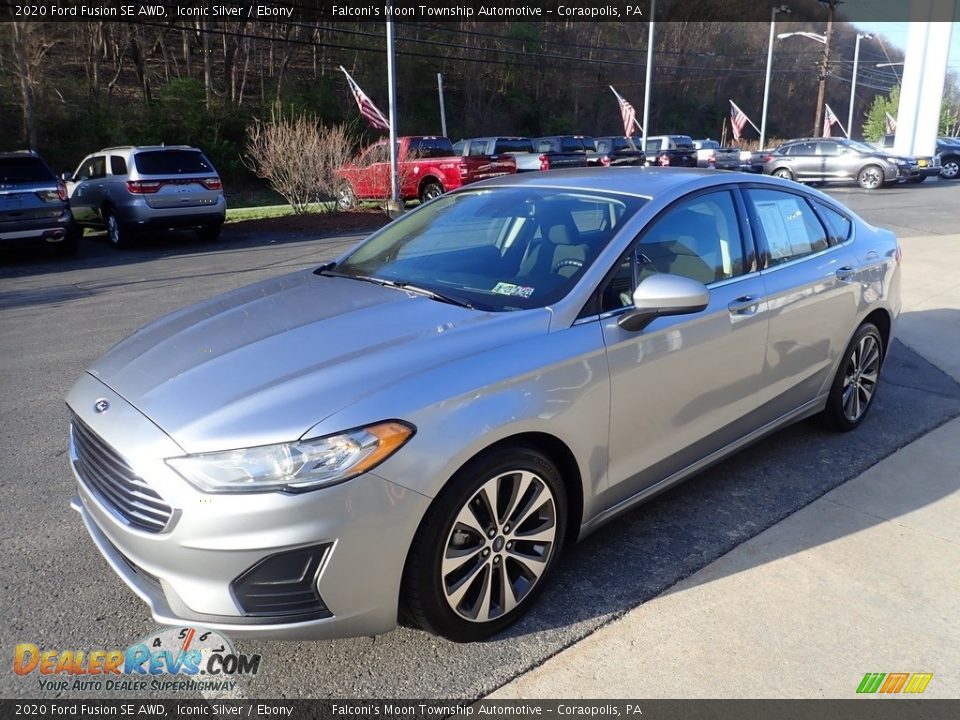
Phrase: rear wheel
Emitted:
{"points": [[119, 235], [487, 545], [346, 198], [855, 384], [783, 173], [870, 177], [430, 191]]}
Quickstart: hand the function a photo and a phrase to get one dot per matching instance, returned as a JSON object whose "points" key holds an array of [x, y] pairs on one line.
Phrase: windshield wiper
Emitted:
{"points": [[432, 294]]}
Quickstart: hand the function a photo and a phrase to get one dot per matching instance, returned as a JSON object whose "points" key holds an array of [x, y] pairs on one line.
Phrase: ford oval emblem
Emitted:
{"points": [[101, 406]]}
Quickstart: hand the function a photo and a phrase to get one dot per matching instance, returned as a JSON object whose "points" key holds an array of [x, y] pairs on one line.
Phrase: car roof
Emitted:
{"points": [[638, 181], [147, 147], [20, 154]]}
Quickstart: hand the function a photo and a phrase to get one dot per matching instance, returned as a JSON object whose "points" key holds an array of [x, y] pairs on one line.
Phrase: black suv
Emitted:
{"points": [[33, 204]]}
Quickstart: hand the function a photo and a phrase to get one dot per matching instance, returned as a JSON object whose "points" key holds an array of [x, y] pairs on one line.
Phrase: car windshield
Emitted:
{"points": [[498, 250], [862, 147]]}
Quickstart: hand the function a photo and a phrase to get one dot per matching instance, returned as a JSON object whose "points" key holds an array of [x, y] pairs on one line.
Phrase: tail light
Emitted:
{"points": [[143, 187], [212, 183], [712, 157], [61, 190], [57, 195], [767, 158], [664, 160], [605, 161], [463, 171], [544, 162], [898, 255]]}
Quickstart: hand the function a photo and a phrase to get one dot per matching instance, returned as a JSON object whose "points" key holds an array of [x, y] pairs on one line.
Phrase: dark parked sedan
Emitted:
{"points": [[33, 204], [418, 429], [832, 159]]}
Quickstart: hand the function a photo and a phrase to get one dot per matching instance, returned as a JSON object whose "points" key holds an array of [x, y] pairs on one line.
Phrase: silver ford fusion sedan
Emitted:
{"points": [[417, 429]]}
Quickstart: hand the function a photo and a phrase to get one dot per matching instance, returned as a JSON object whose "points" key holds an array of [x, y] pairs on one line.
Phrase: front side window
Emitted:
{"points": [[789, 225], [498, 250], [91, 168], [698, 238]]}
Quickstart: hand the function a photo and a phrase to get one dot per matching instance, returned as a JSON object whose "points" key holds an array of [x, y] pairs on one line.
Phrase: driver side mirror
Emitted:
{"points": [[66, 176], [664, 294]]}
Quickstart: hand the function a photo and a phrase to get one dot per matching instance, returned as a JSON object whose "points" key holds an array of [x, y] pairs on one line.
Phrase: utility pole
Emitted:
{"points": [[824, 64], [443, 111]]}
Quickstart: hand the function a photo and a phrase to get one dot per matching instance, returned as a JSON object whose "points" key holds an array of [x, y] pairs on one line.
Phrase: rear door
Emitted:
{"points": [[805, 162], [811, 284], [173, 178]]}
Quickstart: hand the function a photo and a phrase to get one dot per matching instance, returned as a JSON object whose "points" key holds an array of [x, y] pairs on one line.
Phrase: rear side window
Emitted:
{"points": [[24, 170], [571, 144], [808, 148], [429, 148], [172, 162], [838, 225], [510, 145], [789, 225], [118, 166], [681, 142]]}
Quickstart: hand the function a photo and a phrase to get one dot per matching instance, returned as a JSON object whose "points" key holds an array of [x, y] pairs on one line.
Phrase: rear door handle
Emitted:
{"points": [[845, 273], [746, 305]]}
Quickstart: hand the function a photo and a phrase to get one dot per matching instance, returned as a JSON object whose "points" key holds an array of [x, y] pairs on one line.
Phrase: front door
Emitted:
{"points": [[684, 386]]}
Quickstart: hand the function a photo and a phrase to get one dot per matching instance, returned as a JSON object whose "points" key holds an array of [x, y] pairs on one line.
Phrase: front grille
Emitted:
{"points": [[115, 483]]}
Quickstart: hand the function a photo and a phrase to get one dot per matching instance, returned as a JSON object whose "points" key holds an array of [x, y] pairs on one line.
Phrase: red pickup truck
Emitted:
{"points": [[427, 168]]}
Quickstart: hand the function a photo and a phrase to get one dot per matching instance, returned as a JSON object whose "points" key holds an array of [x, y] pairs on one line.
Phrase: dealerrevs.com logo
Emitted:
{"points": [[172, 659], [894, 683]]}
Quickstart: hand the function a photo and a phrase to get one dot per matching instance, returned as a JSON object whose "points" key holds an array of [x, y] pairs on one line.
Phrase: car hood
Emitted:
{"points": [[265, 363]]}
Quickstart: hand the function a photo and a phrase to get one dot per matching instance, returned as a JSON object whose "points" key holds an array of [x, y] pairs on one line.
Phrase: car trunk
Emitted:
{"points": [[175, 179]]}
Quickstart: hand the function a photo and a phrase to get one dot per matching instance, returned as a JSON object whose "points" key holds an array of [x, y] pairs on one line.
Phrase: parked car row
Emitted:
{"points": [[122, 190]]}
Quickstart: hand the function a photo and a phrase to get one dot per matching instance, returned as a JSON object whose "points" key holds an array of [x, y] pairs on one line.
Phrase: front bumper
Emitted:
{"points": [[188, 571]]}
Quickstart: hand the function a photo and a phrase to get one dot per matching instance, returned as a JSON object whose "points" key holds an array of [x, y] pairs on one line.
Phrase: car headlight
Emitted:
{"points": [[897, 161], [296, 466]]}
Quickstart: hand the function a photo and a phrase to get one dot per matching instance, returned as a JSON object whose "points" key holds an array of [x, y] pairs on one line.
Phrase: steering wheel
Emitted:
{"points": [[569, 262]]}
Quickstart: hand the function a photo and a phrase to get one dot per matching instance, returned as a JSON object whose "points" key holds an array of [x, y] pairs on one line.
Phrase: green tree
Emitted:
{"points": [[876, 118]]}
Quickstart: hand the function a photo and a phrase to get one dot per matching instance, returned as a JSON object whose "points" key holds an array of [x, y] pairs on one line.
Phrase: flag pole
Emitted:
{"points": [[395, 205], [745, 115], [836, 119], [646, 88]]}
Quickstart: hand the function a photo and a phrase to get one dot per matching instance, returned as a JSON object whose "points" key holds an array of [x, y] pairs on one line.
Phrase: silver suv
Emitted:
{"points": [[130, 189]]}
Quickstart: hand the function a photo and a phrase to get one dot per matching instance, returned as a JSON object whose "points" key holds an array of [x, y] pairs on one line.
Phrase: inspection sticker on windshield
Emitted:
{"points": [[502, 288]]}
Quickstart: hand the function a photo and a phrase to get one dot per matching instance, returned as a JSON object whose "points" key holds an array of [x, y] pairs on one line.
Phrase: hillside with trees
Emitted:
{"points": [[76, 87]]}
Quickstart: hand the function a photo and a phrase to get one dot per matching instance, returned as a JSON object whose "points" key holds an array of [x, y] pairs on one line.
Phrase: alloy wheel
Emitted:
{"points": [[499, 546], [870, 178], [113, 229], [860, 377], [950, 169]]}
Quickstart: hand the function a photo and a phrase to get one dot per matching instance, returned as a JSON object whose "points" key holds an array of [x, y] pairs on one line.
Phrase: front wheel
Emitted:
{"points": [[487, 545], [346, 198], [870, 177], [950, 169], [855, 384], [430, 191]]}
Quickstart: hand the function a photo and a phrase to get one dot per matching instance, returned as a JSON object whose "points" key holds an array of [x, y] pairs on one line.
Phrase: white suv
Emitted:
{"points": [[147, 188]]}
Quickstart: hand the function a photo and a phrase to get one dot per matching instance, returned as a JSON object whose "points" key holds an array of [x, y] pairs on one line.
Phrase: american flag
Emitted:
{"points": [[891, 124], [829, 119], [370, 111], [738, 119], [628, 114]]}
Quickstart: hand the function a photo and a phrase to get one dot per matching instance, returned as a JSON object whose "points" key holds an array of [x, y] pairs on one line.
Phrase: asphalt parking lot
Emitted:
{"points": [[56, 316]]}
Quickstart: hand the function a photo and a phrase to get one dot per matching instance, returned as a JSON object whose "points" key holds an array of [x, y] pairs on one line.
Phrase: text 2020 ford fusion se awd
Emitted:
{"points": [[417, 429]]}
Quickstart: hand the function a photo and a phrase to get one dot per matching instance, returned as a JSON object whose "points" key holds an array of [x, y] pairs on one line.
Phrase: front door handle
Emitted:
{"points": [[746, 305], [845, 273]]}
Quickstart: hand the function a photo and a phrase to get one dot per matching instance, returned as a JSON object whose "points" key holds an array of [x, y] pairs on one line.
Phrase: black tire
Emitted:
{"points": [[500, 562], [430, 190], [118, 233], [950, 168], [209, 233], [837, 416], [783, 173], [870, 177]]}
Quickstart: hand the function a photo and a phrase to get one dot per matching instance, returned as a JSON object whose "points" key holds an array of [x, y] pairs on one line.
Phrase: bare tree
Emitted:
{"points": [[29, 49], [299, 157]]}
